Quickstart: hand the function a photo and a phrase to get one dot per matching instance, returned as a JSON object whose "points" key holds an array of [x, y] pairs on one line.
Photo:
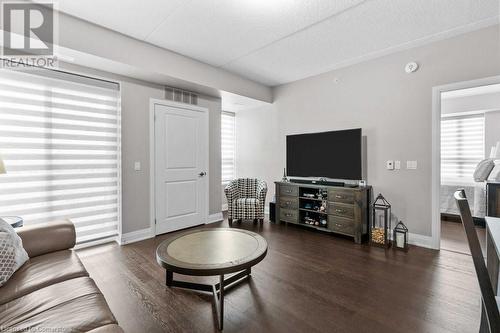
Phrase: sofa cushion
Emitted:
{"points": [[12, 253], [74, 305], [247, 202], [42, 271]]}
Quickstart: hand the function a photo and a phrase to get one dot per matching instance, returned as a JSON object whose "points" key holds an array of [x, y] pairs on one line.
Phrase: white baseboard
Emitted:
{"points": [[420, 240], [217, 217], [225, 207], [135, 236]]}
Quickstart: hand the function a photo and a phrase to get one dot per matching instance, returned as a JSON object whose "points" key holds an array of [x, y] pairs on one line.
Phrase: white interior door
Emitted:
{"points": [[181, 166]]}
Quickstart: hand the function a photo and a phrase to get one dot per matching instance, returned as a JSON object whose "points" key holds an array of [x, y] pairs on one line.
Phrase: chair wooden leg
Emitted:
{"points": [[261, 221], [230, 222], [254, 221]]}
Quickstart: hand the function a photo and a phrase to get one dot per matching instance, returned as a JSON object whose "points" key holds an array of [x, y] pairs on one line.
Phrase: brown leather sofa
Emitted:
{"points": [[52, 291]]}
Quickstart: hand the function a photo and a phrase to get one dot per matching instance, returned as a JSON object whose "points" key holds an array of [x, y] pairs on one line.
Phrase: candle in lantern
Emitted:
{"points": [[400, 240]]}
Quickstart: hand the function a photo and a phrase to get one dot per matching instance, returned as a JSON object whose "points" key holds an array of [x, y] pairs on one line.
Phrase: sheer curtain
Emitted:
{"points": [[60, 141], [228, 145]]}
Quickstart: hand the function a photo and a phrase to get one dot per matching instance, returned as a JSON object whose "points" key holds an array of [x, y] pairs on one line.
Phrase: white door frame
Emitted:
{"points": [[152, 196], [436, 147]]}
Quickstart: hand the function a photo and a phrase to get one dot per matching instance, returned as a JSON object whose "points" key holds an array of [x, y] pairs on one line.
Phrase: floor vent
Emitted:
{"points": [[181, 96]]}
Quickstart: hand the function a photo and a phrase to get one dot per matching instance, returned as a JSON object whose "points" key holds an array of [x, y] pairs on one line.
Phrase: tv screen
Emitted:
{"points": [[335, 154]]}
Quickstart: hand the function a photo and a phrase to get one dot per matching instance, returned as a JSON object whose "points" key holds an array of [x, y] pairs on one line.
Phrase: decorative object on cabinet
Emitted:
{"points": [[381, 222], [285, 178], [400, 237]]}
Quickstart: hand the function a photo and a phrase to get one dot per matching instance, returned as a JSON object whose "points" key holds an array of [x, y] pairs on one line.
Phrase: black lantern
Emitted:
{"points": [[401, 237], [381, 223]]}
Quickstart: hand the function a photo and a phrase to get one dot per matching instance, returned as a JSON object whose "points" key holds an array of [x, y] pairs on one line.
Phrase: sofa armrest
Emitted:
{"points": [[49, 237]]}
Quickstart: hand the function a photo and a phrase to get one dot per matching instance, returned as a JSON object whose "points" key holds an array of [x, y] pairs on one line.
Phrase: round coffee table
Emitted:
{"points": [[213, 251]]}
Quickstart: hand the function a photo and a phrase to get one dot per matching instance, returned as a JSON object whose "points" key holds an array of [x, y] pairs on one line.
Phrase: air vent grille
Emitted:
{"points": [[181, 96]]}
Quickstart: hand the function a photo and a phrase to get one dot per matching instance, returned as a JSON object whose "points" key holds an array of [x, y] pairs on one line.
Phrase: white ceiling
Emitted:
{"points": [[279, 41]]}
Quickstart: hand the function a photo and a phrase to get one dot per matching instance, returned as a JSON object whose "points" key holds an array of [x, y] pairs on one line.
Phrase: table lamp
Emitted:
{"points": [[2, 167]]}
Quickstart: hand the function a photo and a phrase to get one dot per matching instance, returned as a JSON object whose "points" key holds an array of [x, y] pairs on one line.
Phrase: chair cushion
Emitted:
{"points": [[247, 202], [42, 271], [74, 305]]}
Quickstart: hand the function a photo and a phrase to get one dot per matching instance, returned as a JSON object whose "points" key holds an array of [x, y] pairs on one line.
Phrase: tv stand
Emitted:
{"points": [[337, 209]]}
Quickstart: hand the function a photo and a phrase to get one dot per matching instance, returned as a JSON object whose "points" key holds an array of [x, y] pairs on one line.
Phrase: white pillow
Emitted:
{"points": [[12, 253], [483, 170], [495, 174]]}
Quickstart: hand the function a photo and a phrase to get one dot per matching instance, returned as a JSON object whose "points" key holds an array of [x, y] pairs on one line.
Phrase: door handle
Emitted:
{"points": [[201, 174]]}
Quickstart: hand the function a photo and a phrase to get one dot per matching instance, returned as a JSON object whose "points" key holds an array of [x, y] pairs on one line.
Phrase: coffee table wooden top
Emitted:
{"points": [[212, 251]]}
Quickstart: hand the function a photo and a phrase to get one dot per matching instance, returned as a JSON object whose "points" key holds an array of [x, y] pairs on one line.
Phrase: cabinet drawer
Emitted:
{"points": [[340, 224], [289, 215], [344, 196], [289, 203], [289, 190], [340, 209]]}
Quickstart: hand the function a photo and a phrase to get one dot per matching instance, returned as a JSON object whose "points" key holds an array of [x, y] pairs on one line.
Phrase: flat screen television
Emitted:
{"points": [[335, 154]]}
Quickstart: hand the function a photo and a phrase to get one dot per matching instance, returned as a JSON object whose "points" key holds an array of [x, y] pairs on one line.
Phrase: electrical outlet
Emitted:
{"points": [[397, 165], [411, 165], [137, 166], [390, 165]]}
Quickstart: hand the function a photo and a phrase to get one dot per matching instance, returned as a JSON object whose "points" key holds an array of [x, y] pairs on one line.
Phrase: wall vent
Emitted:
{"points": [[181, 96]]}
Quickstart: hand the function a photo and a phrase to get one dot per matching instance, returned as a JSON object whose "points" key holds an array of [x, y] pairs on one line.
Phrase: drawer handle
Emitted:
{"points": [[338, 196], [288, 191], [288, 215], [288, 202], [340, 210], [338, 225]]}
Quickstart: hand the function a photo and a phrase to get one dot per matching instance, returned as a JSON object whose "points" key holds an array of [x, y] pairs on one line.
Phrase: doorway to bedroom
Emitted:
{"points": [[470, 148]]}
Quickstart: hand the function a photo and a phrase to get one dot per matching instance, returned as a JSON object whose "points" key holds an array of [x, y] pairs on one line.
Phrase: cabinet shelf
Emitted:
{"points": [[315, 199], [318, 227], [312, 211]]}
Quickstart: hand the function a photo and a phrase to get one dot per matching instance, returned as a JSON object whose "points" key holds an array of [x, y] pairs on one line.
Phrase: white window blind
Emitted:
{"points": [[228, 145], [60, 141], [462, 147]]}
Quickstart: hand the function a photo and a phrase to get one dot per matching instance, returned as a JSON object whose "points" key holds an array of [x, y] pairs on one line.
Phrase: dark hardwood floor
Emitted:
{"points": [[453, 237], [309, 282]]}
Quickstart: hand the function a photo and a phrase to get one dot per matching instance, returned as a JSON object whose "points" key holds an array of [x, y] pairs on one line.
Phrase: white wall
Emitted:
{"points": [[393, 108], [256, 143]]}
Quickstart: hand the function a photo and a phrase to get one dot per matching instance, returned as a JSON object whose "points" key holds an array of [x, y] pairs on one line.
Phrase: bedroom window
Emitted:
{"points": [[228, 144], [60, 141], [462, 148]]}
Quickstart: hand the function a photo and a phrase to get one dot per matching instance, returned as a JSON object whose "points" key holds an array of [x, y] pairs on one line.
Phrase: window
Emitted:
{"points": [[60, 141], [462, 147], [228, 143]]}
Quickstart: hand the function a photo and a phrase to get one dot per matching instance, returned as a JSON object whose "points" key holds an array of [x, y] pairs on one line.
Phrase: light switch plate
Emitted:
{"points": [[397, 165], [390, 165], [137, 166], [411, 165]]}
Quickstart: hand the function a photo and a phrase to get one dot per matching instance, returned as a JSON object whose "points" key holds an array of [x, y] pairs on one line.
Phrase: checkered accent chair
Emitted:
{"points": [[246, 198]]}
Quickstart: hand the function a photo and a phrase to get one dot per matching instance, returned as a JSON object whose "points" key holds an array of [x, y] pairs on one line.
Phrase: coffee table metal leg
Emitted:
{"points": [[219, 302], [217, 289], [170, 278]]}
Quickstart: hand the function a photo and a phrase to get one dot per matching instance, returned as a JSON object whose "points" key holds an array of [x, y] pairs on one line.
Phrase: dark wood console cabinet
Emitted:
{"points": [[493, 199], [347, 208]]}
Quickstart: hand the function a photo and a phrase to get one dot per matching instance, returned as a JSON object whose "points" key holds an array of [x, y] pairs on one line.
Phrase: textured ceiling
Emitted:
{"points": [[279, 41]]}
